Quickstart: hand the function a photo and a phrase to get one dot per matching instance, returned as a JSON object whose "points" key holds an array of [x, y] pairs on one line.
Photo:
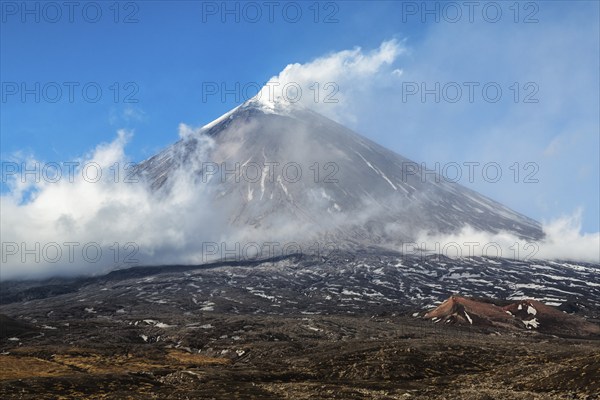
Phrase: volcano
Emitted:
{"points": [[524, 314], [285, 169]]}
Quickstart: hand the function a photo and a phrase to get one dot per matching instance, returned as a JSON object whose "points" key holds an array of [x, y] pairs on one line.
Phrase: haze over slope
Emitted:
{"points": [[283, 171]]}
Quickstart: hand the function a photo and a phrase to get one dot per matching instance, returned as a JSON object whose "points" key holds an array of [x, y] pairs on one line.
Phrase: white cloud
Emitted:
{"points": [[186, 131], [127, 114], [125, 219], [566, 241], [563, 241], [332, 84]]}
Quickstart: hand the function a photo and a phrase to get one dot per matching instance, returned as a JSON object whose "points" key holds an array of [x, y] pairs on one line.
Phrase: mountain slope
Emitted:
{"points": [[269, 166]]}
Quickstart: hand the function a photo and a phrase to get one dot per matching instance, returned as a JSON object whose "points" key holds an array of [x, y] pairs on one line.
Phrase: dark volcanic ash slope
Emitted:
{"points": [[340, 283], [350, 187]]}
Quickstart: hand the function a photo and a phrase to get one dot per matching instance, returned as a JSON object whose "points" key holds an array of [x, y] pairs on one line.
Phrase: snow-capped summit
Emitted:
{"points": [[266, 101], [271, 100]]}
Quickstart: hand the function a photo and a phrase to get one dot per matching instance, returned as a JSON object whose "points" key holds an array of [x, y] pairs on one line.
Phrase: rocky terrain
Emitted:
{"points": [[346, 326]]}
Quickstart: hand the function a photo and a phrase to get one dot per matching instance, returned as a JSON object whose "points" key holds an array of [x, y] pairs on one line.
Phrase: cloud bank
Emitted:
{"points": [[330, 84], [564, 241]]}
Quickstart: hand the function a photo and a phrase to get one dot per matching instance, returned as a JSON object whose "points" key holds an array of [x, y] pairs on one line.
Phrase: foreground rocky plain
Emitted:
{"points": [[346, 326]]}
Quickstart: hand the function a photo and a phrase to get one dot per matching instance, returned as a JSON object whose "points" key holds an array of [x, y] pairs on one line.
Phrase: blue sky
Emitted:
{"points": [[169, 50]]}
